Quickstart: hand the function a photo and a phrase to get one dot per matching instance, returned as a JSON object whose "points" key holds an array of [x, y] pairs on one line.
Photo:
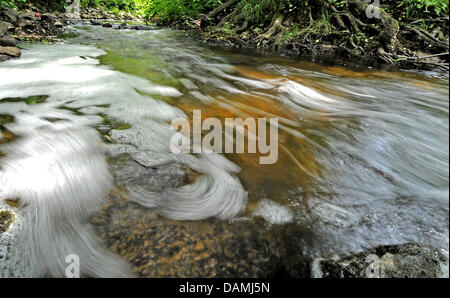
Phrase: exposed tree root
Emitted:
{"points": [[275, 26], [391, 27], [320, 28]]}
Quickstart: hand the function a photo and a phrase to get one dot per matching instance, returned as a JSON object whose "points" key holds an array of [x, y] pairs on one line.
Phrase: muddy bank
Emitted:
{"points": [[324, 29]]}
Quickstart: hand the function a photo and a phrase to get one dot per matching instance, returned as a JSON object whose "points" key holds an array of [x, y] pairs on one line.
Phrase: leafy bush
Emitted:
{"points": [[126, 5], [7, 4], [51, 4], [174, 9], [416, 8]]}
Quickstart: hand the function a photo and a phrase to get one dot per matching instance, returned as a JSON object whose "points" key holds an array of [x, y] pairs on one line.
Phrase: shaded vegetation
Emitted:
{"points": [[402, 31], [57, 5]]}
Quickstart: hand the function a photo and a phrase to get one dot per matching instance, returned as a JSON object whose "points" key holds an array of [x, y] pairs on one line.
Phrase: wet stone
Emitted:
{"points": [[4, 58], [160, 247], [10, 51], [8, 42], [6, 218], [129, 172], [8, 15], [392, 261], [31, 100], [5, 27], [4, 119]]}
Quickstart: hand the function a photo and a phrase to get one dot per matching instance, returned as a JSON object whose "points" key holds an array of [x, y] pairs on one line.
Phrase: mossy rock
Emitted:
{"points": [[31, 100], [6, 219], [5, 119]]}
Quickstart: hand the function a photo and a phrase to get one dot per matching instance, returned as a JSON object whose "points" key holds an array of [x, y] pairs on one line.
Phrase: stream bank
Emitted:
{"points": [[41, 23], [28, 25], [351, 29]]}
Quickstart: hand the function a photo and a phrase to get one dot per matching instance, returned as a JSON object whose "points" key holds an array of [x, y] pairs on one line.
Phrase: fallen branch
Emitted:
{"points": [[430, 38], [431, 56]]}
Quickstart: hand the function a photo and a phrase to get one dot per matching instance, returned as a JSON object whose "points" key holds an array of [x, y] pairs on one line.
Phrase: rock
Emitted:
{"points": [[3, 58], [95, 23], [107, 25], [141, 27], [58, 24], [8, 42], [123, 26], [5, 27], [85, 16], [48, 16], [394, 261], [25, 24], [6, 218], [73, 9], [8, 15], [159, 247], [28, 15], [10, 51]]}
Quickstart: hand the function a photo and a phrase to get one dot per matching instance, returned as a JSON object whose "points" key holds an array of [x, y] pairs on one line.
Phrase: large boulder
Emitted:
{"points": [[25, 24], [142, 27], [8, 15], [5, 27], [8, 42], [10, 51], [95, 23], [28, 15], [4, 58]]}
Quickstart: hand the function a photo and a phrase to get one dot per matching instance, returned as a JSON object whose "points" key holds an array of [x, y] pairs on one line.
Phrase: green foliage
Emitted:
{"points": [[7, 3], [256, 11], [227, 28], [114, 5], [419, 8], [176, 9], [12, 3], [292, 33], [52, 4]]}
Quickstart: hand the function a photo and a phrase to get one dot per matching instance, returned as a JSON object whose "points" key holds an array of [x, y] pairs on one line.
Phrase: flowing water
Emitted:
{"points": [[363, 153]]}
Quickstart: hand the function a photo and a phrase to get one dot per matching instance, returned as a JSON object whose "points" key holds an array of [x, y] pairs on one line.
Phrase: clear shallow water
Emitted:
{"points": [[363, 153]]}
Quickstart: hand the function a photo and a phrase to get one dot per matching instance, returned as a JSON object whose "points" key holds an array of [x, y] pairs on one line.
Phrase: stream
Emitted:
{"points": [[363, 154]]}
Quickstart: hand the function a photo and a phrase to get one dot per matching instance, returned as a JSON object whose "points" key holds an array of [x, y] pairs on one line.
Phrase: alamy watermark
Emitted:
{"points": [[261, 133], [73, 269], [373, 9], [373, 267]]}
